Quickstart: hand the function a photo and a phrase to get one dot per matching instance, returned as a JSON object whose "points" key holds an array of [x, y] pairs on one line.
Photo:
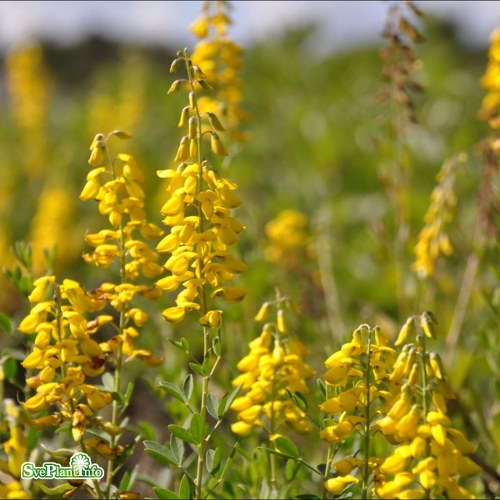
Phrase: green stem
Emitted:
{"points": [[366, 451], [328, 464], [115, 412], [203, 288], [424, 399]]}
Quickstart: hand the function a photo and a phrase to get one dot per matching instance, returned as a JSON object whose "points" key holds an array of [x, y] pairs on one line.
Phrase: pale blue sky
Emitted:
{"points": [[342, 22]]}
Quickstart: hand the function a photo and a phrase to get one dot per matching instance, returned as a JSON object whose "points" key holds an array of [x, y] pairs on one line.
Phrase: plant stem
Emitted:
{"points": [[115, 412], [366, 451], [424, 399], [203, 289]]}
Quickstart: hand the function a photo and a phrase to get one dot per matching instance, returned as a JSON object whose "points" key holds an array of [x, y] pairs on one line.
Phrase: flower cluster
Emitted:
{"points": [[65, 354], [430, 455], [272, 371], [490, 107], [288, 238], [220, 59], [16, 447], [117, 188], [358, 387], [198, 211], [432, 240], [29, 85], [123, 107], [50, 226], [403, 397]]}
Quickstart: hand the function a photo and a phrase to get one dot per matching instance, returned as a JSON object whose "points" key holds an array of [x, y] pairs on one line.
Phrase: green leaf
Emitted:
{"points": [[5, 323], [128, 479], [173, 390], [322, 387], [198, 369], [58, 490], [187, 387], [182, 345], [285, 446], [213, 405], [181, 433], [185, 488], [216, 345], [10, 369], [108, 381], [212, 460], [160, 453], [164, 493], [177, 447], [130, 390], [290, 469], [227, 401], [206, 362], [298, 400], [308, 496], [196, 428]]}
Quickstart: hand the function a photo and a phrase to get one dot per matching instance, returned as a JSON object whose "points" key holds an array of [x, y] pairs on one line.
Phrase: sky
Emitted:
{"points": [[342, 23]]}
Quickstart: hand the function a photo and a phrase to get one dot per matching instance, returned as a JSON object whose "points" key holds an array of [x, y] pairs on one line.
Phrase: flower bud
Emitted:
{"points": [[174, 87], [217, 146], [215, 122]]}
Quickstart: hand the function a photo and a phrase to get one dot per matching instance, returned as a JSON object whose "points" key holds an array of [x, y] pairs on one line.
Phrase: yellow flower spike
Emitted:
{"points": [[337, 484]]}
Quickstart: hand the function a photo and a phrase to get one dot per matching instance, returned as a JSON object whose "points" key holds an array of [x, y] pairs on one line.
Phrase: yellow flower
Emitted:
{"points": [[337, 484], [432, 240], [271, 369]]}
